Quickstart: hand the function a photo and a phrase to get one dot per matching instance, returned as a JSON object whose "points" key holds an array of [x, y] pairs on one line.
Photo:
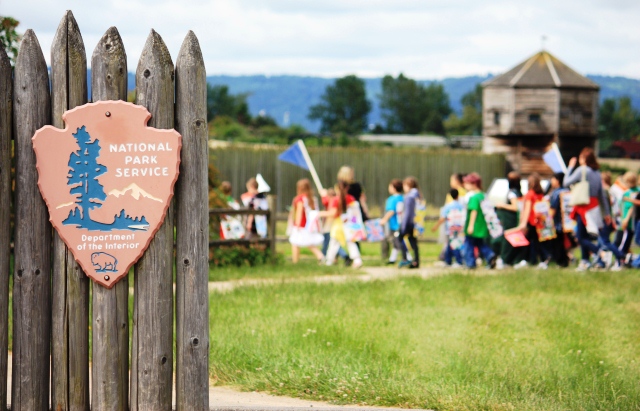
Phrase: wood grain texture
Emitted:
{"points": [[192, 231], [70, 286], [32, 276], [272, 221], [110, 366], [152, 351], [6, 122]]}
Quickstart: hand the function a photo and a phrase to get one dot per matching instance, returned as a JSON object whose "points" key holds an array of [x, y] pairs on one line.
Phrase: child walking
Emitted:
{"points": [[394, 208], [625, 232], [529, 222], [475, 225], [411, 197], [452, 215], [562, 242], [306, 226], [338, 206]]}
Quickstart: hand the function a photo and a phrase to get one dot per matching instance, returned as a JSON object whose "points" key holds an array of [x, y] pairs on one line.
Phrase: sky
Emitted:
{"points": [[423, 39]]}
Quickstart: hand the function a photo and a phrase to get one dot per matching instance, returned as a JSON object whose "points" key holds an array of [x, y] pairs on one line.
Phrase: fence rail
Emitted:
{"points": [[51, 294], [272, 220]]}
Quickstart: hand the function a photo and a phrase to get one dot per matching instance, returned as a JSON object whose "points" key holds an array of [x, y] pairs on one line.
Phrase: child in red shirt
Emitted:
{"points": [[338, 206], [529, 222], [305, 233]]}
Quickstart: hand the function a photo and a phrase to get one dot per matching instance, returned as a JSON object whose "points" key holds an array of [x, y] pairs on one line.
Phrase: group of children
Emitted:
{"points": [[399, 219], [466, 227], [549, 227], [340, 208]]}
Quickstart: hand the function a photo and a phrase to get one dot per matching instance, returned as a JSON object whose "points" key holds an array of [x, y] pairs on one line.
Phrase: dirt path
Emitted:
{"points": [[370, 274], [226, 398], [229, 398]]}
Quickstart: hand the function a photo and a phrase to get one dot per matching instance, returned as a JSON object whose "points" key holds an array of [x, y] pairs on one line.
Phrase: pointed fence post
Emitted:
{"points": [[32, 276], [110, 343], [70, 286], [192, 231], [152, 351], [6, 92]]}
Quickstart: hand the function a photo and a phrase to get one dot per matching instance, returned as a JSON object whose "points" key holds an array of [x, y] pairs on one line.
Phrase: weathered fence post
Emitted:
{"points": [[70, 286], [6, 91], [152, 351], [32, 276], [192, 230], [273, 221], [110, 370]]}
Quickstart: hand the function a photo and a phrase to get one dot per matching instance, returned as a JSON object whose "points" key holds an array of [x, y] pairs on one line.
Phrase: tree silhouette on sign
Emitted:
{"points": [[84, 174], [84, 171]]}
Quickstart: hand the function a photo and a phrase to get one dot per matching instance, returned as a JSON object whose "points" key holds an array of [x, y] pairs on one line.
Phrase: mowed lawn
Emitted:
{"points": [[531, 340]]}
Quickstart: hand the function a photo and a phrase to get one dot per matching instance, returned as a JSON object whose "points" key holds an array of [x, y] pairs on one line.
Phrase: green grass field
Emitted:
{"points": [[309, 267], [552, 340]]}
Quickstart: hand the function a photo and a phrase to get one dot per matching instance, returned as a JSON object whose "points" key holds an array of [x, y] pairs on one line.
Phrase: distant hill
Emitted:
{"points": [[277, 95]]}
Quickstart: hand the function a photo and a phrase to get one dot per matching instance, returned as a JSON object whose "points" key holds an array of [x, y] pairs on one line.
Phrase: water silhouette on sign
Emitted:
{"points": [[83, 180]]}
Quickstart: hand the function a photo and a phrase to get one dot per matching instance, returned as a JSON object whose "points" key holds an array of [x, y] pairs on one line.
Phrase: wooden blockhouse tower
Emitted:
{"points": [[536, 103]]}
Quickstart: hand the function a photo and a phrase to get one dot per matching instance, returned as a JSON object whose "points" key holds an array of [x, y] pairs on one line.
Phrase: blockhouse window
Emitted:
{"points": [[534, 118], [496, 118]]}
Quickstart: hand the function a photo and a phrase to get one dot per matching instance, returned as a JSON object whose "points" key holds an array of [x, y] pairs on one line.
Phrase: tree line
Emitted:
{"points": [[408, 107]]}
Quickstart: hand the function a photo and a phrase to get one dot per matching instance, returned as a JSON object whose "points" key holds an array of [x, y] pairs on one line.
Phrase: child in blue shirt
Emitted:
{"points": [[394, 208], [452, 215]]}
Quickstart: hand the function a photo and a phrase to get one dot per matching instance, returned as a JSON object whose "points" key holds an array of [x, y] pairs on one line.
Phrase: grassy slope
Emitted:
{"points": [[552, 340]]}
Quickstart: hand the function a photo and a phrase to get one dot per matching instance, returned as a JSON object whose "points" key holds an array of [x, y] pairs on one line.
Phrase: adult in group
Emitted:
{"points": [[597, 213], [347, 174], [455, 182]]}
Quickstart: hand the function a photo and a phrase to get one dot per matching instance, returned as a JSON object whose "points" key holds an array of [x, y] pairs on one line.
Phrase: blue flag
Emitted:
{"points": [[293, 155], [554, 160]]}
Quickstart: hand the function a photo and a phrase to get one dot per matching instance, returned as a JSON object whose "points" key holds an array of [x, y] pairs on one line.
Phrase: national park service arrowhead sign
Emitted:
{"points": [[107, 180]]}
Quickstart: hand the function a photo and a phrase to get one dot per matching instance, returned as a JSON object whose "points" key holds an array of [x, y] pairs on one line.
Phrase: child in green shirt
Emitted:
{"points": [[476, 227], [625, 232]]}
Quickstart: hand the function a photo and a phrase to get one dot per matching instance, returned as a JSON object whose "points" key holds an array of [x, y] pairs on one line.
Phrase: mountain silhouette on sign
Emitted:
{"points": [[134, 191]]}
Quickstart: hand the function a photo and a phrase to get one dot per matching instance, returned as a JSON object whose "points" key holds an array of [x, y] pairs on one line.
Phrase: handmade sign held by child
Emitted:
{"points": [[454, 227], [491, 218], [568, 223], [420, 218], [375, 230], [516, 238], [546, 227], [231, 228], [353, 226]]}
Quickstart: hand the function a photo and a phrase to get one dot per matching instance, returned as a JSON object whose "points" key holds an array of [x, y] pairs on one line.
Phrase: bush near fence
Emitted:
{"points": [[374, 167]]}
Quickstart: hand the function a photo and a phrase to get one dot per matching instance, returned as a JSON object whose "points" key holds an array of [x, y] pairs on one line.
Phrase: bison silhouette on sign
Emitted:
{"points": [[104, 262]]}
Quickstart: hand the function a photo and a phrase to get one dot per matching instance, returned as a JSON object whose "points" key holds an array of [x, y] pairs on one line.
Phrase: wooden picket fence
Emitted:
{"points": [[52, 331]]}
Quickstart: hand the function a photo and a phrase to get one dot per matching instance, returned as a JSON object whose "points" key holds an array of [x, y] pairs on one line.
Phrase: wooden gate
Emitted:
{"points": [[52, 331]]}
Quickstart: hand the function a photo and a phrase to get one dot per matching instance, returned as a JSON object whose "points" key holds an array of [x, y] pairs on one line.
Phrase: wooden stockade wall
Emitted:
{"points": [[374, 168], [51, 294]]}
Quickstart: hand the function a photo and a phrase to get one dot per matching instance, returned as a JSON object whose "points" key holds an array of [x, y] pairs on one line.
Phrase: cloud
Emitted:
{"points": [[424, 39]]}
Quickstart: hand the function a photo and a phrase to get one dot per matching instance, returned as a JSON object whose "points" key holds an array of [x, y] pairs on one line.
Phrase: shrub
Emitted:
{"points": [[238, 256]]}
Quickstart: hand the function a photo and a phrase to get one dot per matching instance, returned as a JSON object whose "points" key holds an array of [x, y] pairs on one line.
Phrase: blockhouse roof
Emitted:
{"points": [[542, 70]]}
